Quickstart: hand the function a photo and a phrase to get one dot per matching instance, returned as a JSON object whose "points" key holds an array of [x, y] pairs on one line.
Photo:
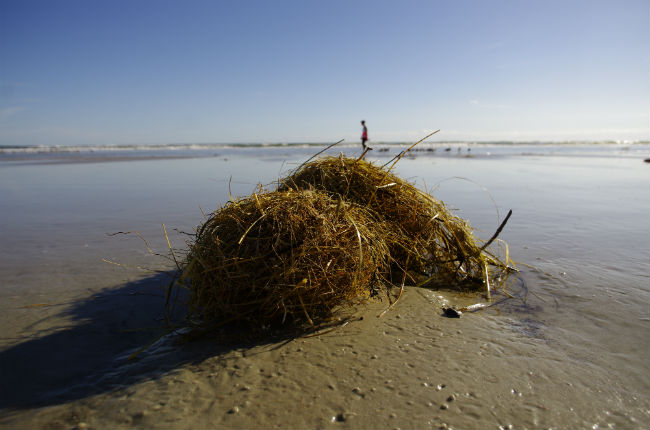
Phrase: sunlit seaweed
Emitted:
{"points": [[293, 255], [422, 235], [335, 232]]}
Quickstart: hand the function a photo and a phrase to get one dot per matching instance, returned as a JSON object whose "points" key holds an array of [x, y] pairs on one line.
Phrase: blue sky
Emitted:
{"points": [[139, 72]]}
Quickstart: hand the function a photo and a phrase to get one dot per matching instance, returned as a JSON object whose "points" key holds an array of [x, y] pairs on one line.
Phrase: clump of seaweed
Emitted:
{"points": [[335, 232], [286, 256], [422, 235]]}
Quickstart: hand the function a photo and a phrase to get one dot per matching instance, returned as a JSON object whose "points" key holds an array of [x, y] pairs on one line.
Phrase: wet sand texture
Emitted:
{"points": [[570, 351]]}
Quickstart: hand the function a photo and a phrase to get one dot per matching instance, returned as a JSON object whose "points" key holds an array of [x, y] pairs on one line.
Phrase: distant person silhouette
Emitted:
{"points": [[364, 135]]}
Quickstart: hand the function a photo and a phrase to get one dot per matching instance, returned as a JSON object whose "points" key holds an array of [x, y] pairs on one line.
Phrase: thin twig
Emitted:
{"points": [[487, 282], [171, 250], [411, 147], [365, 151], [141, 238], [319, 153], [249, 229], [496, 233], [229, 190], [401, 290], [389, 161]]}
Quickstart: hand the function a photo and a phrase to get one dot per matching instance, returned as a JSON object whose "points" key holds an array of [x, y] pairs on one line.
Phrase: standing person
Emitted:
{"points": [[364, 135]]}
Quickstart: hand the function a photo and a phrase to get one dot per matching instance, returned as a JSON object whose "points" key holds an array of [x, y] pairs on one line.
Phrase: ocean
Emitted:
{"points": [[58, 153]]}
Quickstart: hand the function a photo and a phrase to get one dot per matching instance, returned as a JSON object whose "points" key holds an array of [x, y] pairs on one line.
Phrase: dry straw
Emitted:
{"points": [[334, 233], [284, 256]]}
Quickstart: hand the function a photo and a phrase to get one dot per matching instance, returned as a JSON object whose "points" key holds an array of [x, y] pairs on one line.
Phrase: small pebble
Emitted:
{"points": [[452, 313], [451, 398], [82, 426], [234, 410], [444, 406]]}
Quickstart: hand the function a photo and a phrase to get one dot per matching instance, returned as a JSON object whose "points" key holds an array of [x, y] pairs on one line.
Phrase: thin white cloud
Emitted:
{"points": [[488, 105]]}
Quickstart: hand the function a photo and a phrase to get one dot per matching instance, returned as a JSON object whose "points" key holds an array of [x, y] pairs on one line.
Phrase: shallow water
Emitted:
{"points": [[572, 351], [582, 226]]}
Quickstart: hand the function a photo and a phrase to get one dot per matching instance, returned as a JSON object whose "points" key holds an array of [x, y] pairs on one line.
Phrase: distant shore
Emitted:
{"points": [[113, 153]]}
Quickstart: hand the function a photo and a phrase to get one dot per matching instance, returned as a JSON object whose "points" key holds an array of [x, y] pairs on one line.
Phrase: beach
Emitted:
{"points": [[80, 292]]}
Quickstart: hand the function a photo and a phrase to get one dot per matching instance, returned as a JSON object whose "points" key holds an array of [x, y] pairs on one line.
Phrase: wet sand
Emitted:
{"points": [[570, 351]]}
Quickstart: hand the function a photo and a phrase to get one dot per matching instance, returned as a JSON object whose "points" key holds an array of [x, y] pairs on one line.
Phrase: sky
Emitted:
{"points": [[154, 72]]}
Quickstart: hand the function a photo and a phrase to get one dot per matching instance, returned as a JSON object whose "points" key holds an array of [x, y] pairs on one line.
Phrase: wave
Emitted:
{"points": [[30, 149], [62, 149]]}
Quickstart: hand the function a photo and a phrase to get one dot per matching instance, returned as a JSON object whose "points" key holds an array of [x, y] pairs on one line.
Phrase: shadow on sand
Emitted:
{"points": [[91, 357]]}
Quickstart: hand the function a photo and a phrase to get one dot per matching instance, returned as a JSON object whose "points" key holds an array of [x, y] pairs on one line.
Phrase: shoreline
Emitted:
{"points": [[433, 150]]}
